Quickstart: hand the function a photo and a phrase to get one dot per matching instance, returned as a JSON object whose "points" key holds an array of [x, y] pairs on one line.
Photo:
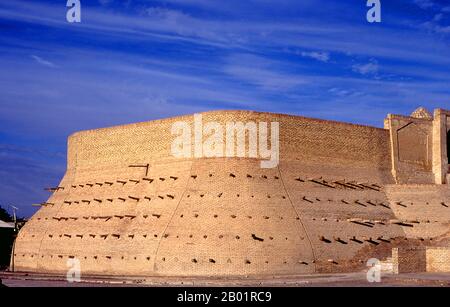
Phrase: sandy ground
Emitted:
{"points": [[320, 280]]}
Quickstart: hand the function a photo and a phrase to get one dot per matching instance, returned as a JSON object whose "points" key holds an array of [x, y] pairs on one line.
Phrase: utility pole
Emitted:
{"points": [[14, 216]]}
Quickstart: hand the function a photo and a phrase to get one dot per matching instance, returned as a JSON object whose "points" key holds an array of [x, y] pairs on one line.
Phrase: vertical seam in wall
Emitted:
{"points": [[44, 234], [171, 218], [13, 258], [300, 219], [74, 168]]}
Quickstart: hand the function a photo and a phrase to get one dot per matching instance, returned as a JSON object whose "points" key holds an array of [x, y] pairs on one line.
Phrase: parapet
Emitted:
{"points": [[419, 146]]}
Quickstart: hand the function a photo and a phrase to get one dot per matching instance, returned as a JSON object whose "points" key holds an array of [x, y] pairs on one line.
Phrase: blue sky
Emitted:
{"points": [[137, 60]]}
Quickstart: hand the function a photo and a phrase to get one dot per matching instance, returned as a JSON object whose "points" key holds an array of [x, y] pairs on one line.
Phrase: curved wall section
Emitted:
{"points": [[126, 206]]}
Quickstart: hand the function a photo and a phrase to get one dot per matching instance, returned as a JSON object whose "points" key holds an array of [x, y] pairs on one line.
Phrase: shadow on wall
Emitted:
{"points": [[7, 236], [448, 149]]}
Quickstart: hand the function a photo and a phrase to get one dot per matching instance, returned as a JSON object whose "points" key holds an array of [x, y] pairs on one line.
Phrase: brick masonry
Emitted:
{"points": [[330, 205], [438, 259], [423, 259]]}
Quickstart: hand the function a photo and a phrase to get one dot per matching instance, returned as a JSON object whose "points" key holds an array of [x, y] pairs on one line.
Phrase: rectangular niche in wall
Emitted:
{"points": [[413, 145], [448, 143]]}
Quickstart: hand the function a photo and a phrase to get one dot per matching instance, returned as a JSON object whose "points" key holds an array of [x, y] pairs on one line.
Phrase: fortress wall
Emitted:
{"points": [[211, 231], [220, 207], [425, 207], [421, 259], [87, 230], [346, 225], [412, 148], [227, 210], [218, 216], [300, 138], [409, 260], [438, 259]]}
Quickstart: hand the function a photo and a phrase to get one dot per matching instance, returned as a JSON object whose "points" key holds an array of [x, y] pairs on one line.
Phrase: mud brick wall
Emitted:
{"points": [[327, 207], [409, 260], [438, 259], [421, 259]]}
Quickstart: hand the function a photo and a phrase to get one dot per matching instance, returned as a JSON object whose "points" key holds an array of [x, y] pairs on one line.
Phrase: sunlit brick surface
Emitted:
{"points": [[330, 205]]}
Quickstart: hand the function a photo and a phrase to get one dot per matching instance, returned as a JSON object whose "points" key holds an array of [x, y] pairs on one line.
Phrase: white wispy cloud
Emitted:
{"points": [[104, 2], [264, 73], [425, 4], [438, 17], [174, 25], [43, 62], [344, 92], [366, 69], [317, 55], [440, 29], [164, 13], [435, 26]]}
